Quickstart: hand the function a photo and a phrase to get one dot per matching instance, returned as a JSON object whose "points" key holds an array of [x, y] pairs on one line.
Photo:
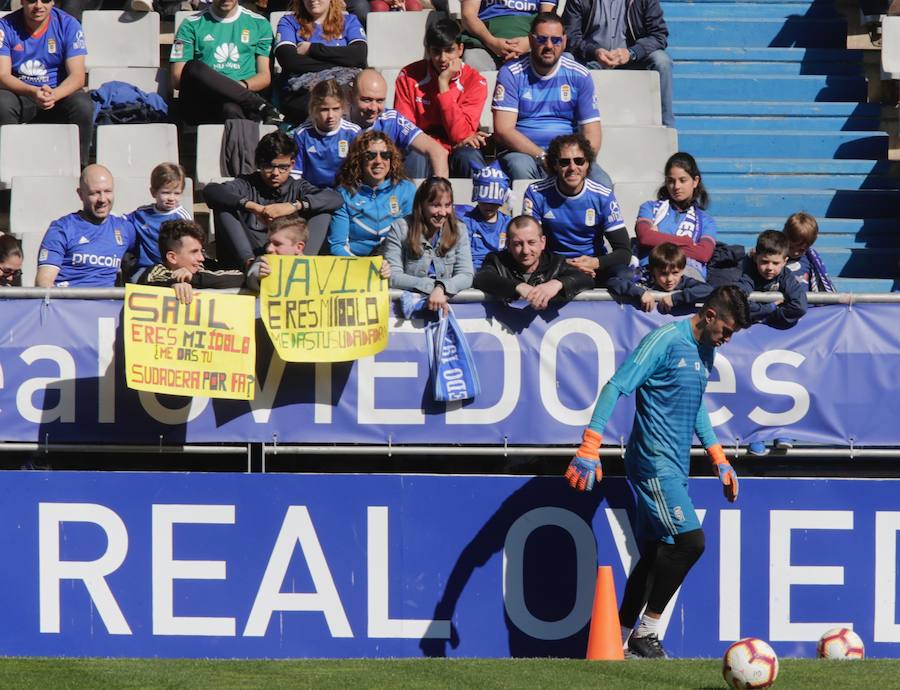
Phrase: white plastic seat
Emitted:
{"points": [[35, 202], [628, 97], [132, 192], [121, 39], [890, 47], [631, 195], [636, 154], [462, 189], [180, 16], [396, 38], [390, 77], [148, 79], [134, 150], [38, 150], [274, 18], [209, 152], [487, 115]]}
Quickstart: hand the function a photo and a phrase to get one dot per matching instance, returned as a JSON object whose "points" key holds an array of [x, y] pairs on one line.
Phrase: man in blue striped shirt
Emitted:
{"points": [[669, 370]]}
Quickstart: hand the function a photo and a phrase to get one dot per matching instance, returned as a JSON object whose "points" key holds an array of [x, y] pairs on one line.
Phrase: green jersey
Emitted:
{"points": [[230, 46]]}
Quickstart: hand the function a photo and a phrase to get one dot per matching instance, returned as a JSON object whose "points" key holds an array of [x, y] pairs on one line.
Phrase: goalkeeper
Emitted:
{"points": [[669, 370]]}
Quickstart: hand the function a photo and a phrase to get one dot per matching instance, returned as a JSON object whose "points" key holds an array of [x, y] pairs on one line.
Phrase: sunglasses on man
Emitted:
{"points": [[542, 40], [577, 160]]}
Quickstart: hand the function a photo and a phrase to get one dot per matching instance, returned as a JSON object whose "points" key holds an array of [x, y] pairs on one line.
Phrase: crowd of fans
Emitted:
{"points": [[337, 177]]}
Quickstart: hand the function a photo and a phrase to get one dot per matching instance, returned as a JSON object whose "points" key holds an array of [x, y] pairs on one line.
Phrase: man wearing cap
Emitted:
{"points": [[525, 271], [485, 222]]}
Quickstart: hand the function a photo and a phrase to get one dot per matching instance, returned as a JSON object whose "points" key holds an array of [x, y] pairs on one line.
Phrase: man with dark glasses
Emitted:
{"points": [[244, 206], [541, 96], [42, 70]]}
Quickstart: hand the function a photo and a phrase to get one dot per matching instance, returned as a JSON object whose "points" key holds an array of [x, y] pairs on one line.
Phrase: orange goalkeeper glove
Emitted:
{"points": [[585, 466], [726, 472]]}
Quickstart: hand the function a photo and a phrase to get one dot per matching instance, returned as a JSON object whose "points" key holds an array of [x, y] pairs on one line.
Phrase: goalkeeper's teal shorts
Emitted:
{"points": [[664, 509]]}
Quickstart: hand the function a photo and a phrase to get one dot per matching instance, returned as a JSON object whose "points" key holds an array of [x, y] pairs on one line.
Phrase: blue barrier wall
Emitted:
{"points": [[225, 565], [832, 379]]}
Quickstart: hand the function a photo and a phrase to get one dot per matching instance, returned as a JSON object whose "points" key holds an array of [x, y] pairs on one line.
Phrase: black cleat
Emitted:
{"points": [[646, 647]]}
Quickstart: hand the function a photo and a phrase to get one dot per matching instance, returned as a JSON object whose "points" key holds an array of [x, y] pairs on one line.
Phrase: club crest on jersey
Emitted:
{"points": [[565, 93], [51, 45], [2, 37], [501, 240], [343, 146], [245, 36], [528, 207], [590, 217], [118, 235], [499, 93], [394, 206]]}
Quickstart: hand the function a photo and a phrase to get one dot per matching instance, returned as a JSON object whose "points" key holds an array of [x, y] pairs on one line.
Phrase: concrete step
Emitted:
{"points": [[818, 124], [749, 53], [860, 285], [841, 203], [716, 182], [761, 68], [861, 228], [836, 241], [789, 166], [776, 108], [861, 263], [771, 88], [760, 33], [771, 10], [768, 144]]}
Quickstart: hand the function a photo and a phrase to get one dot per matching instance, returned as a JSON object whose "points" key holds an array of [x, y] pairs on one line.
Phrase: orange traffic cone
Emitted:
{"points": [[605, 638]]}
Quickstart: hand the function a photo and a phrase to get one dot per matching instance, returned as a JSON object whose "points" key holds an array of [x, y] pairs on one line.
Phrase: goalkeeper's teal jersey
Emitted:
{"points": [[669, 370]]}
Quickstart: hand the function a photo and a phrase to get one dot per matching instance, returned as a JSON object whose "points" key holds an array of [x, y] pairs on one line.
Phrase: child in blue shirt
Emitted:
{"points": [[485, 222], [324, 140], [804, 262], [664, 273], [166, 188]]}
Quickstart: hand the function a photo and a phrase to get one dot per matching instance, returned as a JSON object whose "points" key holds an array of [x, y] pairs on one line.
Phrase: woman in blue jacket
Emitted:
{"points": [[375, 191]]}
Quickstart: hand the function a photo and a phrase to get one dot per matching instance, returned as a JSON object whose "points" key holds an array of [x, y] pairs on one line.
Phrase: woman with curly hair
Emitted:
{"points": [[429, 249], [376, 192], [318, 40]]}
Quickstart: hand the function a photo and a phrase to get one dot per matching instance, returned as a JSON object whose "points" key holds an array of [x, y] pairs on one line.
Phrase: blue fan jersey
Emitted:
{"points": [[289, 32], [484, 237], [40, 59], [321, 154], [574, 225], [398, 128], [87, 254], [680, 224], [502, 8], [146, 221], [548, 106]]}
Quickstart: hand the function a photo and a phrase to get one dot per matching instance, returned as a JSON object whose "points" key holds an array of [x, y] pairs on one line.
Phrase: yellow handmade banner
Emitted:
{"points": [[325, 308], [205, 348]]}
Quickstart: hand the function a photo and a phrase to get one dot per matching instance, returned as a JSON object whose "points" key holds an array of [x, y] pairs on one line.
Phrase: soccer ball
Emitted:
{"points": [[749, 663], [840, 643]]}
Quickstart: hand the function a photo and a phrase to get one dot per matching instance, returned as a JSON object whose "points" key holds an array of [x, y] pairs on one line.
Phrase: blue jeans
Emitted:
{"points": [[521, 166], [464, 162], [660, 62]]}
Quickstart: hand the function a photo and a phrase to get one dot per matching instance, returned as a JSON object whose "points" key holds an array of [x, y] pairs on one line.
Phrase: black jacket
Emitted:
{"points": [[499, 274], [645, 28], [160, 276], [779, 316]]}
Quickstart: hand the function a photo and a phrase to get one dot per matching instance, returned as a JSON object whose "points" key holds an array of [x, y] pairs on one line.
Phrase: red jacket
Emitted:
{"points": [[448, 117]]}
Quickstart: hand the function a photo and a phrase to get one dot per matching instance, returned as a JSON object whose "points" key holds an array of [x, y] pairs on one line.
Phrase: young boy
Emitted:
{"points": [[664, 273], [485, 222], [804, 261], [181, 247], [287, 236], [166, 188], [764, 271]]}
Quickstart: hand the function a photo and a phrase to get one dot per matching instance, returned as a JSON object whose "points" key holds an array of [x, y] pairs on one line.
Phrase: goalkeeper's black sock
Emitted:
{"points": [[673, 562]]}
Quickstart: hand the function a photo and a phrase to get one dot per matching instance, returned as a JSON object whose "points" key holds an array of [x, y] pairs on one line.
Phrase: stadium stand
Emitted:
{"points": [[132, 192], [628, 97], [121, 39], [134, 150], [775, 109], [38, 150], [209, 152], [634, 154], [384, 28], [35, 202], [390, 78], [890, 48]]}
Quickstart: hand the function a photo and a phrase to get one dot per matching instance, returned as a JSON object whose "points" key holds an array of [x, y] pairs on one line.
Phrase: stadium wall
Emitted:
{"points": [[248, 566], [830, 380]]}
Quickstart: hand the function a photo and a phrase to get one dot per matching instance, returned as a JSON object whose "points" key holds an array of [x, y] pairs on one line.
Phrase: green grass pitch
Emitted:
{"points": [[399, 674]]}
